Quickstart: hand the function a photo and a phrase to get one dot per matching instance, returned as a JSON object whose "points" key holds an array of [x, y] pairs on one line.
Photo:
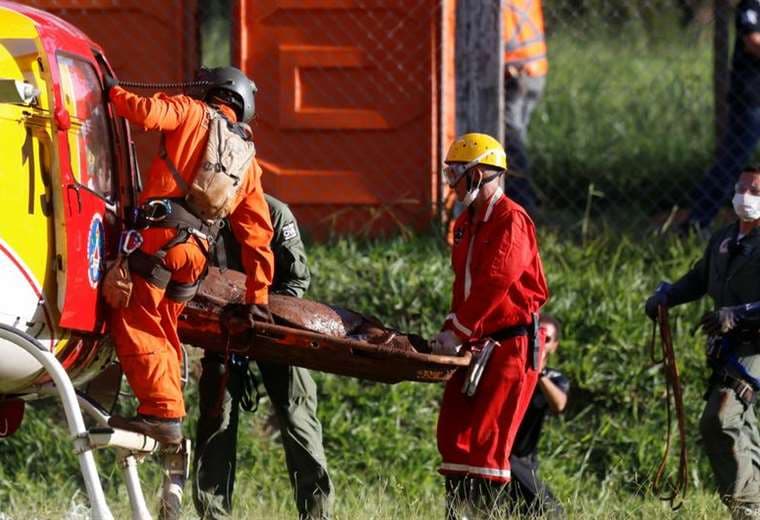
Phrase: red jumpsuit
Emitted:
{"points": [[145, 332], [499, 281]]}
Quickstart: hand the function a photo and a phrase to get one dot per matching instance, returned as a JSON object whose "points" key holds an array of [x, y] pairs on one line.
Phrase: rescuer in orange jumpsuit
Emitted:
{"points": [[145, 332], [499, 285]]}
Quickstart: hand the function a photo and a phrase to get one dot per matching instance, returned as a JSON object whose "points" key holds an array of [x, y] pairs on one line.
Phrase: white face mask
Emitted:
{"points": [[473, 194], [746, 206]]}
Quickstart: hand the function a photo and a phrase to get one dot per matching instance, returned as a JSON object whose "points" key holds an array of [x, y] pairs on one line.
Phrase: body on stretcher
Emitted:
{"points": [[312, 335]]}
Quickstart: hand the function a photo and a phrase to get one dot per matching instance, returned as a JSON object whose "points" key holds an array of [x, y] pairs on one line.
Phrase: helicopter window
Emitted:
{"points": [[128, 178], [91, 150]]}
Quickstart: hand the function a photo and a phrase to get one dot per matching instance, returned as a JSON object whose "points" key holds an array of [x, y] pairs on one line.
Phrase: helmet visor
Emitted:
{"points": [[455, 171]]}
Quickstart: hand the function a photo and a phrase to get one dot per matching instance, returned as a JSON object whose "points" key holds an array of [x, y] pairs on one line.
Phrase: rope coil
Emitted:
{"points": [[674, 399]]}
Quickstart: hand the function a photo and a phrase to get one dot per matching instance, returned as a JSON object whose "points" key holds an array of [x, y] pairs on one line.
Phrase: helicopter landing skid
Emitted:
{"points": [[131, 447]]}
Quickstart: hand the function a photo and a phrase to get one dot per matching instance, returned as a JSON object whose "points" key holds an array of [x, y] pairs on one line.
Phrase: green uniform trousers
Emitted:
{"points": [[731, 438], [293, 395]]}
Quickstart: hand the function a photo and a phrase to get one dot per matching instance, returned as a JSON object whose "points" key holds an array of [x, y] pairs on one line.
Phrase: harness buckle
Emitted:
{"points": [[743, 388], [198, 234], [130, 241], [157, 210]]}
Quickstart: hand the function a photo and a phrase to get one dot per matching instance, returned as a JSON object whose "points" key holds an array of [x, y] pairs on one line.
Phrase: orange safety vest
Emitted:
{"points": [[524, 42]]}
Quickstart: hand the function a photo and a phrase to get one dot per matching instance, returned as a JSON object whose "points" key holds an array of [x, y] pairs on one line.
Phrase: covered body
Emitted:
{"points": [[312, 335]]}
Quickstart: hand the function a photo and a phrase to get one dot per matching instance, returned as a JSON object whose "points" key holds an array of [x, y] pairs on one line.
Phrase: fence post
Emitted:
{"points": [[720, 65], [479, 68]]}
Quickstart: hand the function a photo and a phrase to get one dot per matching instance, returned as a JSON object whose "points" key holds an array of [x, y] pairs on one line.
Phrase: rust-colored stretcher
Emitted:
{"points": [[312, 335]]}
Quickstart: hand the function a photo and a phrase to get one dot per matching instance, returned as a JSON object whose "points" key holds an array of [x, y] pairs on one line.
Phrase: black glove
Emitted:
{"points": [[109, 82], [654, 302], [722, 321], [236, 318]]}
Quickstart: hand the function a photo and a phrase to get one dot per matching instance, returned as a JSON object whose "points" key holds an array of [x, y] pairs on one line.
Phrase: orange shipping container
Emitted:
{"points": [[350, 121]]}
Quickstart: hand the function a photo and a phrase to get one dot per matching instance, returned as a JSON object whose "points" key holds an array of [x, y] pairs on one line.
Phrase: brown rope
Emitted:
{"points": [[673, 393]]}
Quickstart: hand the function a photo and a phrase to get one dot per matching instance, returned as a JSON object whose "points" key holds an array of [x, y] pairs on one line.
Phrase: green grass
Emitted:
{"points": [[380, 439], [631, 115], [374, 503]]}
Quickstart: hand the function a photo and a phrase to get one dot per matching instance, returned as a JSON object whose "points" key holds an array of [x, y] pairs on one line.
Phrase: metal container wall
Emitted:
{"points": [[349, 123]]}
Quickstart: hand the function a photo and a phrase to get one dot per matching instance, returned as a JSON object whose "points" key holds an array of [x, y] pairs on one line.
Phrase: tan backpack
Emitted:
{"points": [[222, 171]]}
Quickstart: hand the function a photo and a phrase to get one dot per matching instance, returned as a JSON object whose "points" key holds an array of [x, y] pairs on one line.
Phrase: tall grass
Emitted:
{"points": [[380, 439], [630, 113]]}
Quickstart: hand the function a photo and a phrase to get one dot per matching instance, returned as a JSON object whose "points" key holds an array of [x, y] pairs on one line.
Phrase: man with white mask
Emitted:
{"points": [[499, 286], [729, 272]]}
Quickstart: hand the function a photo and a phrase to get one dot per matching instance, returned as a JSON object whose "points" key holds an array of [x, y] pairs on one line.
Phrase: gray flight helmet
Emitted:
{"points": [[230, 85]]}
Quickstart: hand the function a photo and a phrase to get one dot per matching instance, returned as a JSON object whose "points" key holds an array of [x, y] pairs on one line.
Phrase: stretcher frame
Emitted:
{"points": [[200, 326]]}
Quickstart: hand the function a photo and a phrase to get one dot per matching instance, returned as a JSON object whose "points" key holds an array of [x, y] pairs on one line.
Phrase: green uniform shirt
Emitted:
{"points": [[291, 273], [729, 271]]}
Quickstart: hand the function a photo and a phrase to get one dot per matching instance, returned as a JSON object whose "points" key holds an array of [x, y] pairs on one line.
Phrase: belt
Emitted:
{"points": [[531, 331], [510, 332]]}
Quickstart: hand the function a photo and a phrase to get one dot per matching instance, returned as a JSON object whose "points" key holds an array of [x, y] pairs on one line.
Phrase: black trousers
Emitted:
{"points": [[528, 495], [524, 497], [480, 496]]}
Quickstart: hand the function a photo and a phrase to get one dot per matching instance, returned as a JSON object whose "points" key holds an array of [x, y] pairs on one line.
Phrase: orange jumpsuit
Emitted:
{"points": [[145, 332]]}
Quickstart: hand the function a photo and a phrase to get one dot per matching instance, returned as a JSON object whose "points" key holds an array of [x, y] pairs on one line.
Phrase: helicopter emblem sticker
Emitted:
{"points": [[95, 251]]}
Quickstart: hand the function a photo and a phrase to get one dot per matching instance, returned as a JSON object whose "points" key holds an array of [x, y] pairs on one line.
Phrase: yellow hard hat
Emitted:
{"points": [[478, 148]]}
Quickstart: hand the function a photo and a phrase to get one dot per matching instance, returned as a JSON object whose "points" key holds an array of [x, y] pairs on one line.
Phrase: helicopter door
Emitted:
{"points": [[88, 193]]}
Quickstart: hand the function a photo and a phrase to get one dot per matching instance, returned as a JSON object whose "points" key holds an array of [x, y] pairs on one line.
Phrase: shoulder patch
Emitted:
{"points": [[289, 231]]}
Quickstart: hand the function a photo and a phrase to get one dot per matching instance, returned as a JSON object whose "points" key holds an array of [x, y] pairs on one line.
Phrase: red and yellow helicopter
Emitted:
{"points": [[69, 176], [67, 172]]}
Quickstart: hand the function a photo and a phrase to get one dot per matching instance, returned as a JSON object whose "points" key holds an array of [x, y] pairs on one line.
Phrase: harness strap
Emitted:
{"points": [[531, 330], [249, 391], [180, 217], [183, 292], [744, 391], [172, 168], [153, 269], [150, 267], [728, 372], [220, 252]]}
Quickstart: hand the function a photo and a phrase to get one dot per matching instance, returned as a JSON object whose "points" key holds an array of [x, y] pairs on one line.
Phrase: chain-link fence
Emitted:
{"points": [[356, 100], [625, 130]]}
